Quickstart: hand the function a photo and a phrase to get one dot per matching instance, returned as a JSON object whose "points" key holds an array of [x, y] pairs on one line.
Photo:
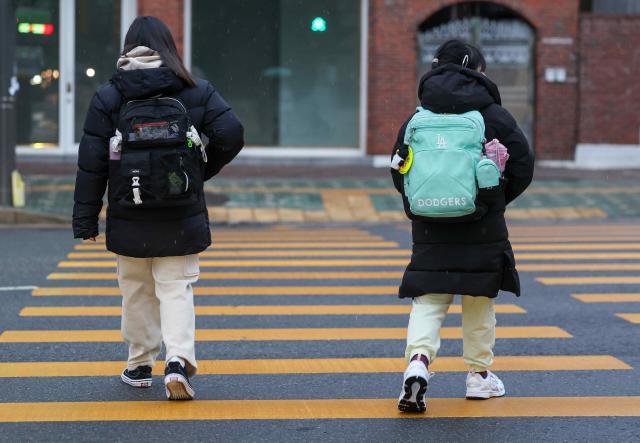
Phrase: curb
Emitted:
{"points": [[12, 216]]}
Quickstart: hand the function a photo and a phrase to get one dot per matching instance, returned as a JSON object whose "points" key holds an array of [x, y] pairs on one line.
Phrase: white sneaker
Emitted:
{"points": [[479, 388], [416, 378]]}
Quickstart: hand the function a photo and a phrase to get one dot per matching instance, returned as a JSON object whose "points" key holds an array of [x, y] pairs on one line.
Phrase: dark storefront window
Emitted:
{"points": [[611, 6], [289, 68], [37, 57], [97, 49]]}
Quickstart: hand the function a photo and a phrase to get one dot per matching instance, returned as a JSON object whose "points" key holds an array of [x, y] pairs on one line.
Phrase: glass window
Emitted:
{"points": [[289, 68], [611, 6], [37, 54], [97, 49]]}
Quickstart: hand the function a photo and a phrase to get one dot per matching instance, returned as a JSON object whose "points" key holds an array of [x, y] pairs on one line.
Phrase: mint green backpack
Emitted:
{"points": [[446, 166]]}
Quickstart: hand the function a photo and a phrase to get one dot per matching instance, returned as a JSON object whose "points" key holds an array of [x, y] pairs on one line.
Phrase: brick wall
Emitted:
{"points": [[170, 12], [392, 67], [609, 86]]}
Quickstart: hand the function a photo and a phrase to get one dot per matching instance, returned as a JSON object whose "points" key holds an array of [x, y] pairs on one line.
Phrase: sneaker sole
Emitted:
{"points": [[413, 399], [483, 396], [144, 383], [177, 388]]}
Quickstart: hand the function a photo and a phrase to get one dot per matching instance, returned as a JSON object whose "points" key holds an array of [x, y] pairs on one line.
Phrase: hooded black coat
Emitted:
{"points": [[473, 257], [156, 232]]}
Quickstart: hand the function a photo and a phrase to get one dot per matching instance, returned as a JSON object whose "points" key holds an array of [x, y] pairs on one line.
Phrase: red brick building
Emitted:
{"points": [[337, 78]]}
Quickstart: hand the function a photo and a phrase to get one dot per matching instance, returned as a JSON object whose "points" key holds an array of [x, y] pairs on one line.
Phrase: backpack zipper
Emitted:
{"points": [[186, 186], [160, 98]]}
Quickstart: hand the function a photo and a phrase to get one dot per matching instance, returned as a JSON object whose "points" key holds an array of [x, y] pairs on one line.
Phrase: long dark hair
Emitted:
{"points": [[154, 34]]}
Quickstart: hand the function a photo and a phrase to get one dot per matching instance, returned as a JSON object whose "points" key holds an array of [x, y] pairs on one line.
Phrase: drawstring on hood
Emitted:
{"points": [[139, 57]]}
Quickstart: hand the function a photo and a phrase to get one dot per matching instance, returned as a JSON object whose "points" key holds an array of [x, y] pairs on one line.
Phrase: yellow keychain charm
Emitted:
{"points": [[407, 163]]}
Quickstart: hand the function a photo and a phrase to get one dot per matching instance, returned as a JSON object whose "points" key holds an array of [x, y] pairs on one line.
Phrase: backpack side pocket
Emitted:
{"points": [[487, 174]]}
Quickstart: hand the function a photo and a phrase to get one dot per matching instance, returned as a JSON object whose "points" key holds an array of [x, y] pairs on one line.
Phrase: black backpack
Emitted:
{"points": [[162, 158]]}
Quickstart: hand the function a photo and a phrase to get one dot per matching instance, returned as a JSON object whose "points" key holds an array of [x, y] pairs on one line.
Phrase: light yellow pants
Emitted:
{"points": [[478, 328], [157, 306]]}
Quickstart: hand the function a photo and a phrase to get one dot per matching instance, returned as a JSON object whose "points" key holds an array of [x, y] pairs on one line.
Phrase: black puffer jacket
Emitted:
{"points": [[150, 232], [473, 257]]}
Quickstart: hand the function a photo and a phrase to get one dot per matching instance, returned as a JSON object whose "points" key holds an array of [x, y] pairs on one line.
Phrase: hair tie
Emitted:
{"points": [[435, 60], [465, 61]]}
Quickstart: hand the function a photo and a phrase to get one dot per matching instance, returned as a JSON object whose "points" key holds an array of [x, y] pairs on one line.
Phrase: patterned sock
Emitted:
{"points": [[423, 358]]}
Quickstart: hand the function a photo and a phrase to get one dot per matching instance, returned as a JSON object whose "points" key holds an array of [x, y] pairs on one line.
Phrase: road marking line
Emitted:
{"points": [[275, 245], [257, 263], [575, 246], [573, 238], [275, 334], [283, 275], [525, 267], [318, 366], [371, 253], [320, 245], [370, 275], [623, 406], [572, 228], [107, 311], [621, 280], [578, 256], [293, 253], [17, 288], [285, 238], [607, 298], [630, 317], [553, 267], [231, 290]]}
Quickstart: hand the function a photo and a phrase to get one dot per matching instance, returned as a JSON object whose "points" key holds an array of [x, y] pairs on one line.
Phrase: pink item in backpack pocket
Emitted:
{"points": [[497, 152]]}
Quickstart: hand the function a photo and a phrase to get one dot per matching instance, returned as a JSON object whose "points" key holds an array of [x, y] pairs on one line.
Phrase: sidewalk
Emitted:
{"points": [[270, 192]]}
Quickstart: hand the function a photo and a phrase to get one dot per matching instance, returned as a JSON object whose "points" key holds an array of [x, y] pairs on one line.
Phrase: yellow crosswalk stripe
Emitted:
{"points": [[106, 311], [595, 229], [286, 334], [302, 237], [608, 297], [367, 275], [321, 263], [573, 238], [257, 263], [372, 253], [630, 317], [623, 406], [318, 275], [231, 290], [544, 267], [576, 256], [621, 246], [575, 246], [317, 366], [259, 253], [620, 280], [274, 245]]}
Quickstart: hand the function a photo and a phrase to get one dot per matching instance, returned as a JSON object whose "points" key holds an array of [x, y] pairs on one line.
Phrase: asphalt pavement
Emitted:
{"points": [[300, 337]]}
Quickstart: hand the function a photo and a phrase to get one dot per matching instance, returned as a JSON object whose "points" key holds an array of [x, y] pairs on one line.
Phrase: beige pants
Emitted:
{"points": [[478, 328], [157, 306]]}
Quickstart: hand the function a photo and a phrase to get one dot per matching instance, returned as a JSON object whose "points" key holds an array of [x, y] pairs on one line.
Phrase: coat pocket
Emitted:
{"points": [[191, 265]]}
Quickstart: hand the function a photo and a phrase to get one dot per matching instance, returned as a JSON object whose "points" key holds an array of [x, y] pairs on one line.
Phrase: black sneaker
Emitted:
{"points": [[176, 382], [139, 377]]}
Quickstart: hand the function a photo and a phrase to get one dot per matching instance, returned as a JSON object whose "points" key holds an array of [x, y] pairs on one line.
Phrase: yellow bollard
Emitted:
{"points": [[18, 191]]}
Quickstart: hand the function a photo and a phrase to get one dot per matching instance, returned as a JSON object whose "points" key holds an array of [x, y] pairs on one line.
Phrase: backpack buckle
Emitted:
{"points": [[135, 184]]}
